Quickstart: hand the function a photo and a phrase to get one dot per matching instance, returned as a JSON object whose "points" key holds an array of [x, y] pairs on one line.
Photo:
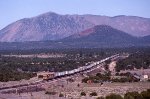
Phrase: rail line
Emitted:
{"points": [[58, 75]]}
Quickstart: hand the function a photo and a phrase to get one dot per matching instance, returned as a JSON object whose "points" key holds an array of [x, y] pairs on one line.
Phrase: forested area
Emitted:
{"points": [[136, 60], [17, 68]]}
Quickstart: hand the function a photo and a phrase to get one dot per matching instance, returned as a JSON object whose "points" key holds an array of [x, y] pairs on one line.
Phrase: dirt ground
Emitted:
{"points": [[72, 90]]}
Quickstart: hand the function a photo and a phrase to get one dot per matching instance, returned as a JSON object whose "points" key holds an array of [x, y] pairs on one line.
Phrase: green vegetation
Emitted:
{"points": [[128, 95], [131, 95], [17, 68], [61, 95], [125, 77], [146, 94], [114, 96], [136, 60], [98, 78], [10, 75], [122, 80], [93, 94], [83, 94], [50, 93], [100, 97], [70, 80]]}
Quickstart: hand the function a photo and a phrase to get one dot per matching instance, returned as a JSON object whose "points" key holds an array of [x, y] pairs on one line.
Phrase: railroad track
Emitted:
{"points": [[93, 67]]}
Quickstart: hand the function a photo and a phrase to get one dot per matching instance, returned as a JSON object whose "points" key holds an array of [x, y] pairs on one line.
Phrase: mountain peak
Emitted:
{"points": [[49, 13], [103, 35], [96, 29], [102, 27]]}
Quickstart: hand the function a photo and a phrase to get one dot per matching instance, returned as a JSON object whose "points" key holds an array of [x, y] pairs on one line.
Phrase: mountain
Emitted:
{"points": [[145, 39], [99, 36], [133, 25], [102, 35], [49, 26], [52, 26]]}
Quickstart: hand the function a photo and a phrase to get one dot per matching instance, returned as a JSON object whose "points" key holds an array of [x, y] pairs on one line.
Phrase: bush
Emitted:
{"points": [[100, 98], [61, 95], [117, 74], [40, 76], [114, 96], [93, 94], [78, 85], [146, 94], [134, 95], [50, 93], [128, 97], [83, 94], [148, 90], [85, 80], [99, 75], [70, 80]]}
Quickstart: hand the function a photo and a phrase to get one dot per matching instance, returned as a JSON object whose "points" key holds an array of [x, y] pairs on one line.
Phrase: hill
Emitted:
{"points": [[102, 35]]}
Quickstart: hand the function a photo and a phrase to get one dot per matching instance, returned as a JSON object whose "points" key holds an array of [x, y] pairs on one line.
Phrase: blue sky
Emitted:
{"points": [[12, 10]]}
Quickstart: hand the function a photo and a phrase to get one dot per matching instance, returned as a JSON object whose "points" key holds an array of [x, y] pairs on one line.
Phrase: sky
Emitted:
{"points": [[13, 10]]}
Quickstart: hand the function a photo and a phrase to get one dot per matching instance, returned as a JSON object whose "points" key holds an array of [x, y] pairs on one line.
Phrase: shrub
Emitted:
{"points": [[114, 96], [78, 85], [99, 75], [145, 94], [135, 95], [70, 80], [61, 95], [85, 80], [117, 74], [100, 98], [148, 90], [128, 97], [83, 94], [93, 94], [50, 93], [40, 76]]}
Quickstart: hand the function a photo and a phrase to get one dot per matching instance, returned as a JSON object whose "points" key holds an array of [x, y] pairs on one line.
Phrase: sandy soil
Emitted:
{"points": [[71, 90]]}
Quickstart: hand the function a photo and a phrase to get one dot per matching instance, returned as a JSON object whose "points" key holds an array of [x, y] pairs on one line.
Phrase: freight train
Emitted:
{"points": [[80, 69]]}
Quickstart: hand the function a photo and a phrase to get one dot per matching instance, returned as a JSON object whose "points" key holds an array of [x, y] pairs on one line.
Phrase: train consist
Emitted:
{"points": [[80, 69]]}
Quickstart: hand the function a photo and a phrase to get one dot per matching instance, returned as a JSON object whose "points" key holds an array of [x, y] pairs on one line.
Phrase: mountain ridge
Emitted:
{"points": [[53, 26], [100, 36], [102, 33]]}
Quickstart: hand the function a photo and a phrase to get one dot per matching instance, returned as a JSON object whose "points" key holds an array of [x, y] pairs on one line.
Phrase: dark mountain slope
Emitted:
{"points": [[145, 40], [102, 34]]}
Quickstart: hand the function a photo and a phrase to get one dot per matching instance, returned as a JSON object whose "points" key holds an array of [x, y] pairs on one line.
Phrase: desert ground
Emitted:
{"points": [[72, 90]]}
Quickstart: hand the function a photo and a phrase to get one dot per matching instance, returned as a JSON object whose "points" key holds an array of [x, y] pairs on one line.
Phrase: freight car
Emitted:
{"points": [[80, 69]]}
